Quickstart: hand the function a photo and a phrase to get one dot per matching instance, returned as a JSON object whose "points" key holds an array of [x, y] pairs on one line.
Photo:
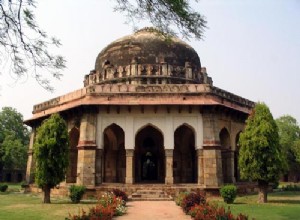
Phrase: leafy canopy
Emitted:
{"points": [[51, 152], [165, 15], [24, 46], [14, 139], [289, 135], [260, 159]]}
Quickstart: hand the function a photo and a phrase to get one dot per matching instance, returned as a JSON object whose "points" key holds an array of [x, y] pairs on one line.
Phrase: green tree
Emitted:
{"points": [[260, 159], [51, 153], [289, 134], [14, 139]]}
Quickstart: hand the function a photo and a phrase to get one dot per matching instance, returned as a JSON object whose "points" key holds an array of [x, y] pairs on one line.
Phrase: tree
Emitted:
{"points": [[260, 159], [165, 14], [289, 134], [14, 139], [24, 46], [51, 153]]}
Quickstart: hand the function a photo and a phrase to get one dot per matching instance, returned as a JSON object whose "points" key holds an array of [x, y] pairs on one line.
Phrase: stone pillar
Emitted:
{"points": [[30, 162], [99, 161], [169, 166], [87, 150], [212, 161], [129, 166], [232, 167], [200, 167]]}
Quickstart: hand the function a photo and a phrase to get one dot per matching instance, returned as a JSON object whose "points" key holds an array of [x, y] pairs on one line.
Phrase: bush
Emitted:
{"points": [[206, 211], [180, 197], [291, 187], [3, 187], [76, 193], [192, 199], [108, 206], [228, 193], [121, 194]]}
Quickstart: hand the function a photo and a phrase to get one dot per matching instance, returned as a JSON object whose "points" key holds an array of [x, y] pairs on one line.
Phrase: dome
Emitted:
{"points": [[147, 57], [148, 46]]}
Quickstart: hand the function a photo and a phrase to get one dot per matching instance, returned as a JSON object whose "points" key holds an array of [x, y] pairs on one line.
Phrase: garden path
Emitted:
{"points": [[153, 210]]}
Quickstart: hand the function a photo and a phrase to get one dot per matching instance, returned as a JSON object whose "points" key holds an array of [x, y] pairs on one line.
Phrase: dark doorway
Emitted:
{"points": [[149, 156], [114, 165]]}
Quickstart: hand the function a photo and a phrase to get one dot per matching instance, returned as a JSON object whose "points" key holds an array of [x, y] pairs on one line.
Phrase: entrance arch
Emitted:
{"points": [[226, 155], [184, 156], [73, 156], [149, 156], [114, 155]]}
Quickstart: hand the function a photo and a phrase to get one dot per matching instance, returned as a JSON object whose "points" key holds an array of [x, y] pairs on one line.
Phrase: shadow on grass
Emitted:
{"points": [[284, 201], [238, 203]]}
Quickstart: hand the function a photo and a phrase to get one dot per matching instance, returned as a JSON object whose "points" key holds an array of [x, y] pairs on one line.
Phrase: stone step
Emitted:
{"points": [[150, 195]]}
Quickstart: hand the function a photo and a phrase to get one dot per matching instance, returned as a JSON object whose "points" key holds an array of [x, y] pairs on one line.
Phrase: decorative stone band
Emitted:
{"points": [[163, 73], [211, 144], [87, 145]]}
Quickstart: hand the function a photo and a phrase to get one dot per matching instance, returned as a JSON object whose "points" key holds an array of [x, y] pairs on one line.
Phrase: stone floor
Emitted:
{"points": [[150, 210]]}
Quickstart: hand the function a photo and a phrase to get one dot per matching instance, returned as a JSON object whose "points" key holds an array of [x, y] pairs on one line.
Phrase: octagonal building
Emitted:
{"points": [[148, 114]]}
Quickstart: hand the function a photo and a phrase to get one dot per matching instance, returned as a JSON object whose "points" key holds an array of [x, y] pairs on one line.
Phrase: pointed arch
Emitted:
{"points": [[236, 157], [114, 155], [184, 155], [149, 155], [227, 156], [73, 155]]}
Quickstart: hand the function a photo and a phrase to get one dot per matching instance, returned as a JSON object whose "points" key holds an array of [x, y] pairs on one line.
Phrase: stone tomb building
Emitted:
{"points": [[148, 114]]}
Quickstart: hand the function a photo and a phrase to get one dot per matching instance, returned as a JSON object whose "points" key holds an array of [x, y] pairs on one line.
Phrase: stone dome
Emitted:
{"points": [[147, 46], [147, 57]]}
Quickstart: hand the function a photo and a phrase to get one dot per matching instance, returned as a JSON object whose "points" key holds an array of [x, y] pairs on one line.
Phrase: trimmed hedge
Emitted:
{"points": [[228, 193]]}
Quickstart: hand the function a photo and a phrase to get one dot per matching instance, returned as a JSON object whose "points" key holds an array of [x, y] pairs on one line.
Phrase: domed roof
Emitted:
{"points": [[148, 46]]}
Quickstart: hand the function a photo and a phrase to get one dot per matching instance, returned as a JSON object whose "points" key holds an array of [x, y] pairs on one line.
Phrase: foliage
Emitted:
{"points": [[3, 187], [14, 139], [165, 14], [259, 157], [289, 137], [109, 205], [228, 193], [24, 45], [208, 212], [76, 193], [121, 194], [180, 197], [51, 153], [192, 199], [291, 187]]}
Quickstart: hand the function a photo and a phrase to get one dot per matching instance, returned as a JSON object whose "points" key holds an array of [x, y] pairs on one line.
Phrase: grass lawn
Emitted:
{"points": [[16, 206], [281, 205]]}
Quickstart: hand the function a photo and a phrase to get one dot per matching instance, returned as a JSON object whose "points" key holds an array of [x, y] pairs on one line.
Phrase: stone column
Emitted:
{"points": [[169, 166], [87, 150], [200, 167], [212, 162], [232, 167], [129, 166], [99, 161], [30, 162]]}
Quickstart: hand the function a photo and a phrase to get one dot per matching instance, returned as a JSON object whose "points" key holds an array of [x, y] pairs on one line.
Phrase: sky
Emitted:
{"points": [[251, 48]]}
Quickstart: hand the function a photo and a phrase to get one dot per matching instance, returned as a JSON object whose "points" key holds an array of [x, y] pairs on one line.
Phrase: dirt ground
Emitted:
{"points": [[153, 210]]}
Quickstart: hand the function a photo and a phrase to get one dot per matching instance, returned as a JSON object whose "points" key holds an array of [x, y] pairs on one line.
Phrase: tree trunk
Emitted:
{"points": [[47, 191], [263, 192]]}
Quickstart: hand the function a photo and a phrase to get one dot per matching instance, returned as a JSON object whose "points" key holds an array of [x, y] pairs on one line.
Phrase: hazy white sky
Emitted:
{"points": [[251, 48]]}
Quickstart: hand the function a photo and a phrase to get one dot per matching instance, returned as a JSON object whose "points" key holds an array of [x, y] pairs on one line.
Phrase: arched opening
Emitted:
{"points": [[226, 155], [149, 156], [184, 156], [236, 158], [114, 155], [73, 156]]}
